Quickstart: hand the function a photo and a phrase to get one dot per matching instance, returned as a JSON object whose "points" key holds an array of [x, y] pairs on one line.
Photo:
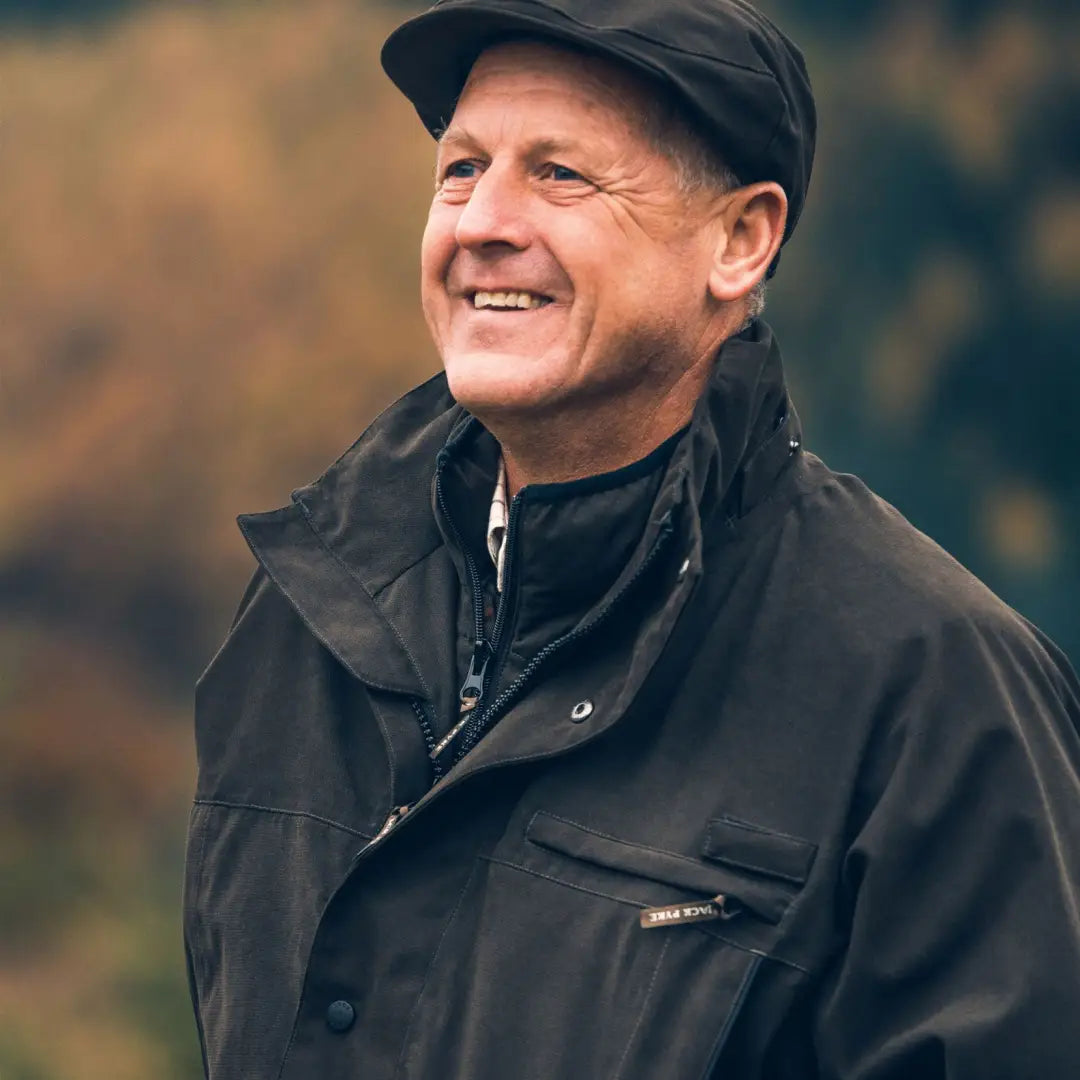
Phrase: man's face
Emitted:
{"points": [[561, 263]]}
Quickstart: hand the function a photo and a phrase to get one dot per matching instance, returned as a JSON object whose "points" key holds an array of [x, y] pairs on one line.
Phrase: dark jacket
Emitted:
{"points": [[727, 684]]}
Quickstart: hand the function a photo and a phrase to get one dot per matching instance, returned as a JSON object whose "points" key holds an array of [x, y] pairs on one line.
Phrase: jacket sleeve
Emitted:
{"points": [[962, 881], [189, 901], [193, 991]]}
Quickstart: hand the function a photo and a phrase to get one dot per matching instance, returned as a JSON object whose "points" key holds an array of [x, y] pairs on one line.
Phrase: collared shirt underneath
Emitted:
{"points": [[496, 530]]}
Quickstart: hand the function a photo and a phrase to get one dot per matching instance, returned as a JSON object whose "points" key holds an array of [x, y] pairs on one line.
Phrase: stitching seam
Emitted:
{"points": [[614, 839], [693, 928], [287, 813], [641, 1011], [198, 925], [329, 645], [402, 572], [809, 848], [391, 752], [305, 511], [751, 827]]}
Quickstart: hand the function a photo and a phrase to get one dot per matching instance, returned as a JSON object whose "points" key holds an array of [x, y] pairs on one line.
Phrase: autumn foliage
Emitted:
{"points": [[209, 222]]}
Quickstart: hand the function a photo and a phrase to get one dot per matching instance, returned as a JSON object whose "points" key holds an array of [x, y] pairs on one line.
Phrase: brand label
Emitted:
{"points": [[695, 911]]}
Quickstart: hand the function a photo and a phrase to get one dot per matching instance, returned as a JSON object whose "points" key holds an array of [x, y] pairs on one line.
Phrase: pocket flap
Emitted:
{"points": [[750, 847], [767, 900]]}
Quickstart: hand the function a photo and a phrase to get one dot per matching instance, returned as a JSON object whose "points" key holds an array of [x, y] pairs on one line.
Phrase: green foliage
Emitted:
{"points": [[17, 1063], [152, 996], [43, 886]]}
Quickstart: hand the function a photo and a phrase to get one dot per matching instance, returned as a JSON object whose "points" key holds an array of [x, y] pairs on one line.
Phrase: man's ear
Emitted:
{"points": [[751, 221]]}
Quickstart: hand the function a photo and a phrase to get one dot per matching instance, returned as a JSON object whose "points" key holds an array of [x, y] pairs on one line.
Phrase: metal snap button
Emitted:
{"points": [[794, 445], [581, 711], [340, 1016]]}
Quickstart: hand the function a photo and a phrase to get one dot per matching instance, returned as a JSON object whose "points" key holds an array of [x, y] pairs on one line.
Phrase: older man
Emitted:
{"points": [[577, 723]]}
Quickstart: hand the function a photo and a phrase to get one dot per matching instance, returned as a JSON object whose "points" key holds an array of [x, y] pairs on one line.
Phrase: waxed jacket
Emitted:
{"points": [[773, 788]]}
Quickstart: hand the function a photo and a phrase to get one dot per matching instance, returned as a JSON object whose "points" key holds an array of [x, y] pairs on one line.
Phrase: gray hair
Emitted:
{"points": [[698, 167]]}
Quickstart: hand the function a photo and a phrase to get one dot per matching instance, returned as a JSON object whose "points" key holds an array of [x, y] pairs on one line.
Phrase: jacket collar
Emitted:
{"points": [[342, 547], [566, 543]]}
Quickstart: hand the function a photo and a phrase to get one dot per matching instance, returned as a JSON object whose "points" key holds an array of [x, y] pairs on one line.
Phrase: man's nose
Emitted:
{"points": [[495, 213]]}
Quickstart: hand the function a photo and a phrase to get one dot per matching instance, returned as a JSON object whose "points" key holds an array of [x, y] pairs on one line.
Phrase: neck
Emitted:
{"points": [[597, 436]]}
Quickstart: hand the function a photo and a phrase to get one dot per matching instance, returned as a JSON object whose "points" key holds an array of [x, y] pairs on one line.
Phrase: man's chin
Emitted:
{"points": [[499, 382]]}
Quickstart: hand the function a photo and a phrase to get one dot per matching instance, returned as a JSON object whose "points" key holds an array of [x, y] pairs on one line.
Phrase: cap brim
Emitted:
{"points": [[430, 56]]}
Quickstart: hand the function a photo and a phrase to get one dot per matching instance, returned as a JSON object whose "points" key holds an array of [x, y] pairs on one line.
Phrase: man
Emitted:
{"points": [[577, 722]]}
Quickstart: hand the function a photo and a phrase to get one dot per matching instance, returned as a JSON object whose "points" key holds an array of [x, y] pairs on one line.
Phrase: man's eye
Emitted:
{"points": [[563, 173], [460, 170]]}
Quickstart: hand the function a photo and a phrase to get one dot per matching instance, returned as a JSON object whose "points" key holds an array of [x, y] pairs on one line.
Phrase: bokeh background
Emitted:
{"points": [[209, 221]]}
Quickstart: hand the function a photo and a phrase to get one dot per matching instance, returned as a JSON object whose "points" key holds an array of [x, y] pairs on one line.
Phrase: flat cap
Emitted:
{"points": [[743, 83]]}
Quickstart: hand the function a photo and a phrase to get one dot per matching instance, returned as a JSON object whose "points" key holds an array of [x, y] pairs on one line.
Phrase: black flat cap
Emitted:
{"points": [[742, 81]]}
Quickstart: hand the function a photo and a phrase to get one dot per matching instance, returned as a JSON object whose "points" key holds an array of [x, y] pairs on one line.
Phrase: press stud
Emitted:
{"points": [[581, 711], [340, 1016]]}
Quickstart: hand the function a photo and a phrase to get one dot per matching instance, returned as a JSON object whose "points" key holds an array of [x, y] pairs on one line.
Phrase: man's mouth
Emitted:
{"points": [[509, 301]]}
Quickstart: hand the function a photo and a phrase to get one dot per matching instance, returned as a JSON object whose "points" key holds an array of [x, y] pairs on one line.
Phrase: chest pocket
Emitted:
{"points": [[545, 969]]}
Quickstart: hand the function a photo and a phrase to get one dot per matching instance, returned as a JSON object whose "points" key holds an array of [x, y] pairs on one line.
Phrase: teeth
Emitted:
{"points": [[522, 300]]}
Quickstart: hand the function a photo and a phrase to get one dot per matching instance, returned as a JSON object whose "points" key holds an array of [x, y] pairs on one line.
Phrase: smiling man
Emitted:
{"points": [[547, 180], [577, 722]]}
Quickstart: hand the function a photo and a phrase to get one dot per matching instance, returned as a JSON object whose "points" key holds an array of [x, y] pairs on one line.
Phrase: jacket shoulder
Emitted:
{"points": [[876, 584]]}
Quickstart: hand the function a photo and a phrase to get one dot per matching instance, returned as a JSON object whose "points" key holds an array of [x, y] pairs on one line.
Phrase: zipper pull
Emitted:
{"points": [[395, 816], [719, 907], [472, 689]]}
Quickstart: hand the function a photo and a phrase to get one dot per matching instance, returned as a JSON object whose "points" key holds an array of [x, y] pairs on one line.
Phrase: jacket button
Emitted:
{"points": [[340, 1016], [581, 711]]}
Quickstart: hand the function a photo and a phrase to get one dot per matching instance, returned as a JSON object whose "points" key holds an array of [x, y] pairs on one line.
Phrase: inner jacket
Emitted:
{"points": [[756, 780]]}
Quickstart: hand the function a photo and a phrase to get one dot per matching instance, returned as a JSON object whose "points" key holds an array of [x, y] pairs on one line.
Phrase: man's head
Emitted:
{"points": [[561, 178], [586, 165]]}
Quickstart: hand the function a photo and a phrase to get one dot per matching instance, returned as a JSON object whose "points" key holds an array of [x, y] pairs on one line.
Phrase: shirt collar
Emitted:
{"points": [[496, 530]]}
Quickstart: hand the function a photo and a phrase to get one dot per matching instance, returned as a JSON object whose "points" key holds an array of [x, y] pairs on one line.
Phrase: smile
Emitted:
{"points": [[509, 301]]}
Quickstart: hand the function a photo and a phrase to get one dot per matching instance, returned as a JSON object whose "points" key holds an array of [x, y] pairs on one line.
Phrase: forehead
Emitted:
{"points": [[575, 84]]}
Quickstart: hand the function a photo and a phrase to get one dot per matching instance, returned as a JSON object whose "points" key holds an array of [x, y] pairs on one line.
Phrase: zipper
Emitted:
{"points": [[497, 628], [478, 724], [508, 695], [472, 689], [496, 651], [395, 815], [471, 692], [476, 683], [424, 720], [447, 739]]}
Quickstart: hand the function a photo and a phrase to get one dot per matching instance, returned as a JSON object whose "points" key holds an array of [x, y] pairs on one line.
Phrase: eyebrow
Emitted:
{"points": [[459, 137]]}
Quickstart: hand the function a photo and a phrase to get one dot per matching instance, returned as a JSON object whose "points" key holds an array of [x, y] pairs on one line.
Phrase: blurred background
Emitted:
{"points": [[209, 223]]}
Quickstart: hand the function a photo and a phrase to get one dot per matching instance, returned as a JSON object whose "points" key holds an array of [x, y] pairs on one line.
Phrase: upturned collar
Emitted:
{"points": [[353, 551]]}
